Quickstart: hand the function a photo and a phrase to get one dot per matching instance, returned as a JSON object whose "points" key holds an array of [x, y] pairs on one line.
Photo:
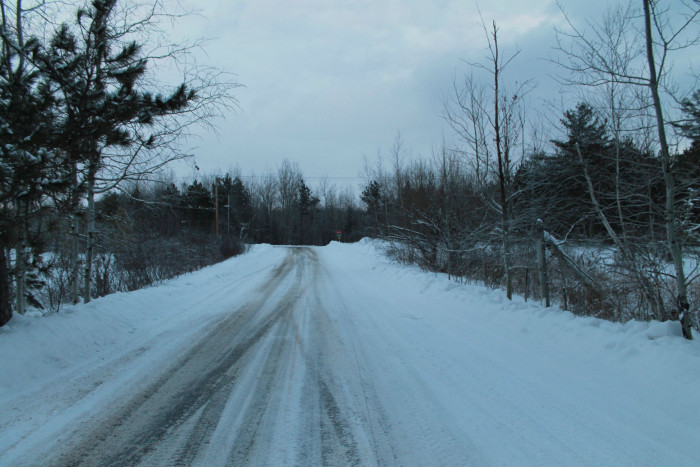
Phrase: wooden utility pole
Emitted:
{"points": [[216, 208]]}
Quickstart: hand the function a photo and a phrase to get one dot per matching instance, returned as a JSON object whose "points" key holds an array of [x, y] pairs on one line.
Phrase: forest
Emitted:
{"points": [[596, 211]]}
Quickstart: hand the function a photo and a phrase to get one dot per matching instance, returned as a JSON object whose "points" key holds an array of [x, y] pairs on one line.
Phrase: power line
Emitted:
{"points": [[274, 177]]}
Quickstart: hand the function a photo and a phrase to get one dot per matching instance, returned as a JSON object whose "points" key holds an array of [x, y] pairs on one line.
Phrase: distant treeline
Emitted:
{"points": [[279, 208], [150, 231]]}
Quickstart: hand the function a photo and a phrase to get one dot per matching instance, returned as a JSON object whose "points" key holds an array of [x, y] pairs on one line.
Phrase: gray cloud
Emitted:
{"points": [[329, 81]]}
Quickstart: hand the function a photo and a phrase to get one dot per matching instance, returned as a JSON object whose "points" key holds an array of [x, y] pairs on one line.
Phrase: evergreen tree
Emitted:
{"points": [[553, 186], [98, 77], [30, 168], [235, 197], [241, 205], [306, 204], [587, 136], [690, 126], [198, 203], [686, 167], [372, 197]]}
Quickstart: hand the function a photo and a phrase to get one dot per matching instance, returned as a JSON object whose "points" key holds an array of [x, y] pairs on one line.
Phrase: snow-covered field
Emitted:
{"points": [[355, 360]]}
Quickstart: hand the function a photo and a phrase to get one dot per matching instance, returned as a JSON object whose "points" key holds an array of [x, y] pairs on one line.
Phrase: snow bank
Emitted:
{"points": [[654, 349], [37, 348], [518, 376]]}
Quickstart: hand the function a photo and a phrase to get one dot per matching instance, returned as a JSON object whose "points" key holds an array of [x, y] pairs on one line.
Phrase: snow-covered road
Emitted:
{"points": [[335, 356]]}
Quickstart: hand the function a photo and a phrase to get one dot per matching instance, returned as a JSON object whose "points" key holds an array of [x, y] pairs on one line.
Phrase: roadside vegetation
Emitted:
{"points": [[82, 114], [597, 210]]}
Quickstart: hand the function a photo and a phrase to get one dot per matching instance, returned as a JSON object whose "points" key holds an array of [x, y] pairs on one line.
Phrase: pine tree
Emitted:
{"points": [[372, 197], [98, 76], [306, 204], [199, 204], [686, 167], [587, 134], [30, 169]]}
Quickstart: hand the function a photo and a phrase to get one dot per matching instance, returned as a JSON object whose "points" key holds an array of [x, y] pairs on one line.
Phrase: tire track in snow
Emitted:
{"points": [[373, 420], [327, 439], [221, 402], [85, 385], [192, 385], [333, 386]]}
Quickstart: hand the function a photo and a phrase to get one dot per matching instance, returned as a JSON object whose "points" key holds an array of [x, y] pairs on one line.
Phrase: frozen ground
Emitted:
{"points": [[335, 356]]}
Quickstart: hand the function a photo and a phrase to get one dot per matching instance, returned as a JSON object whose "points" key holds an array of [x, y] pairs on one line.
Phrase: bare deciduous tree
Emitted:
{"points": [[614, 56], [490, 136]]}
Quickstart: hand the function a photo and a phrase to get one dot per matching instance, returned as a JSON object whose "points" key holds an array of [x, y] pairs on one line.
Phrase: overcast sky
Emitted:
{"points": [[330, 81]]}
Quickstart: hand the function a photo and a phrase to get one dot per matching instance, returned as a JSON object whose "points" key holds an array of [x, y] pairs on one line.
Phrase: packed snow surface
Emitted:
{"points": [[336, 356]]}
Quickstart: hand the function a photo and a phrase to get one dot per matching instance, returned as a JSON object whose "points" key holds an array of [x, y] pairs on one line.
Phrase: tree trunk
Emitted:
{"points": [[75, 259], [507, 260], [75, 239], [20, 279], [20, 266], [542, 264], [301, 228], [5, 306], [90, 242], [503, 168], [669, 208]]}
